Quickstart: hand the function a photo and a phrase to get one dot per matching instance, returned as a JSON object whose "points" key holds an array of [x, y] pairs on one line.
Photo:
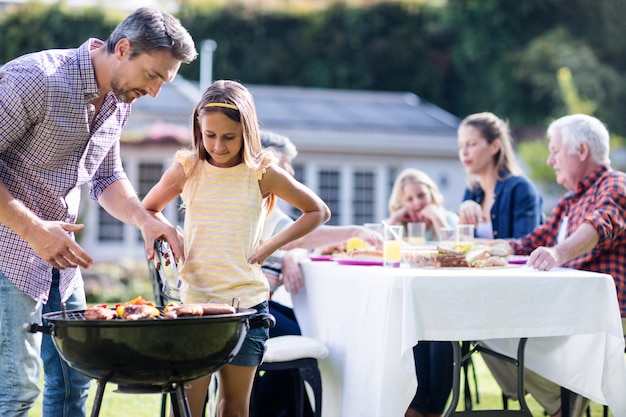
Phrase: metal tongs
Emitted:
{"points": [[165, 265]]}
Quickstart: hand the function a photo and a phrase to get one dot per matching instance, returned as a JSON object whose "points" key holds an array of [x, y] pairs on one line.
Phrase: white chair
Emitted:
{"points": [[299, 353]]}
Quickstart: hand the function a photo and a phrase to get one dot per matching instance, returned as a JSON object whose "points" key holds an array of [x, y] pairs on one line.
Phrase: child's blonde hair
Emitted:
{"points": [[413, 176]]}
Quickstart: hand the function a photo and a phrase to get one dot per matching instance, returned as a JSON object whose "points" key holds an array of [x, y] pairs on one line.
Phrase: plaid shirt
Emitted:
{"points": [[600, 200], [50, 145]]}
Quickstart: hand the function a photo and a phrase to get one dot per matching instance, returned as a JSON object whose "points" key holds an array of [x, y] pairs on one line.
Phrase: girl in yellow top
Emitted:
{"points": [[227, 184]]}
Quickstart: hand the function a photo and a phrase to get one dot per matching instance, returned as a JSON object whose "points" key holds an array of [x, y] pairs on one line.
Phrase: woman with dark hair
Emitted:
{"points": [[499, 201]]}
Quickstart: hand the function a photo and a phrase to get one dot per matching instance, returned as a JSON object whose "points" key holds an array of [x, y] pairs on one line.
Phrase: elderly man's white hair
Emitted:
{"points": [[581, 128]]}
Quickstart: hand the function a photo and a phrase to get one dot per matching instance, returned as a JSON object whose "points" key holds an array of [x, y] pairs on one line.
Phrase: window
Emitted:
{"points": [[109, 228], [364, 198], [149, 174], [355, 195], [330, 192]]}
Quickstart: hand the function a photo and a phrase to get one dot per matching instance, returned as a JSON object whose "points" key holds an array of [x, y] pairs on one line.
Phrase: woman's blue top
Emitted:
{"points": [[516, 209]]}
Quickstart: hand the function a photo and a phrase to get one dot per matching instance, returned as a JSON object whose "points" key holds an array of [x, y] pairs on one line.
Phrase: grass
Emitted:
{"points": [[149, 405], [117, 405], [490, 395]]}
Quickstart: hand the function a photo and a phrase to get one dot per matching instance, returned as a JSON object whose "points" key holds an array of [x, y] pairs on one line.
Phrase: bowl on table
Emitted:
{"points": [[419, 256]]}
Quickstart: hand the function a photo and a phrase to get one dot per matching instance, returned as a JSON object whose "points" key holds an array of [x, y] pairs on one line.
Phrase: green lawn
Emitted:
{"points": [[490, 393], [118, 405], [149, 405]]}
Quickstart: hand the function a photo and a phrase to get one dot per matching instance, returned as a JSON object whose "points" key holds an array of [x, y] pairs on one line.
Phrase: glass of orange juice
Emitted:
{"points": [[392, 245]]}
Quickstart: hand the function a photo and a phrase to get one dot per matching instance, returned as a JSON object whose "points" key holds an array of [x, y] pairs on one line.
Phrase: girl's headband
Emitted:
{"points": [[225, 105]]}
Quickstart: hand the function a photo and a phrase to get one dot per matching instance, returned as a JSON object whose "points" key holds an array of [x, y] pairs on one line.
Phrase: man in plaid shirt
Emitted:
{"points": [[61, 115], [586, 230]]}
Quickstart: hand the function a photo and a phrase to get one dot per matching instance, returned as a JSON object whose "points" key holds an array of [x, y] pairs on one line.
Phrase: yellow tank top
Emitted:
{"points": [[223, 222]]}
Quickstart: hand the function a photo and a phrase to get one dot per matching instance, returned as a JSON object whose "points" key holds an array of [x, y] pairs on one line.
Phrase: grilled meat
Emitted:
{"points": [[100, 312], [202, 309], [137, 309]]}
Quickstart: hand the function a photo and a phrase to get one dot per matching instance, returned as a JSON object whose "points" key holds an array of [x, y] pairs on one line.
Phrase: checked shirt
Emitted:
{"points": [[51, 144], [600, 200]]}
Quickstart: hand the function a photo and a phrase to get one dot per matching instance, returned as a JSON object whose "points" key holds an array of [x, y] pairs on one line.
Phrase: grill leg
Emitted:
{"points": [[180, 405], [97, 401]]}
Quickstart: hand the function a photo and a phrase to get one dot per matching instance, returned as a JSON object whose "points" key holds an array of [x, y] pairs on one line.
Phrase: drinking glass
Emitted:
{"points": [[392, 245], [448, 235], [416, 232], [465, 236], [465, 232], [375, 227], [378, 229]]}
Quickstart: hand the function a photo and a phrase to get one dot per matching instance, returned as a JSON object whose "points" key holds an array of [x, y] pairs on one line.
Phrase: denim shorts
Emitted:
{"points": [[253, 347]]}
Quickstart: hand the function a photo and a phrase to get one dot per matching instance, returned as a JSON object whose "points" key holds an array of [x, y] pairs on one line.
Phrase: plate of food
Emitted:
{"points": [[364, 257], [518, 259], [360, 262], [321, 258]]}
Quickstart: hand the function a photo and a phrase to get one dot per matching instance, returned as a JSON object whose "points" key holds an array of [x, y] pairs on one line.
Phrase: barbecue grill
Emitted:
{"points": [[150, 355], [156, 355]]}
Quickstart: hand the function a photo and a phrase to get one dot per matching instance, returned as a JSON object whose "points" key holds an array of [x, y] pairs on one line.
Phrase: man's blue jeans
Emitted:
{"points": [[65, 390], [19, 351]]}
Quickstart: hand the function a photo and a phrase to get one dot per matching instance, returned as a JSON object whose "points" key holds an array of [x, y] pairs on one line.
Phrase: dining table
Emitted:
{"points": [[371, 316]]}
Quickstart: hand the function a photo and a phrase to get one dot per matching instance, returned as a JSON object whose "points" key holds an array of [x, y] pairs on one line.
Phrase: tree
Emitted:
{"points": [[34, 26], [592, 82]]}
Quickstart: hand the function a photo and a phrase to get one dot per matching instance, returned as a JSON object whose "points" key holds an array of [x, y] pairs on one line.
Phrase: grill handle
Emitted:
{"points": [[35, 328], [262, 320]]}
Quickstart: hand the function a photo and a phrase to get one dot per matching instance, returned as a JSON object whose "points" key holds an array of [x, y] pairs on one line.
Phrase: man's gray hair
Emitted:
{"points": [[581, 128], [149, 30], [281, 145]]}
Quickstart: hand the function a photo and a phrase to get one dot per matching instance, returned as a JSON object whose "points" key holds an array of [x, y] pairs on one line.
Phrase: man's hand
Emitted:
{"points": [[581, 241], [292, 274], [153, 229], [52, 242], [544, 259]]}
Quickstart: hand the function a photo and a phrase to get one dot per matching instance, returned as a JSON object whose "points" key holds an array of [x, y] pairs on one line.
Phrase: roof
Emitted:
{"points": [[349, 110], [164, 118], [280, 107]]}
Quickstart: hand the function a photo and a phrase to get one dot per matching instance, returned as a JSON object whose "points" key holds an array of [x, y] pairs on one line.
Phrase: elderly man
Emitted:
{"points": [[586, 229], [61, 116]]}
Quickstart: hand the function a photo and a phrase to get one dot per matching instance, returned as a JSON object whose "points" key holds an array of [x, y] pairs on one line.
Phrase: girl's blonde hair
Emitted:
{"points": [[413, 176], [492, 128], [235, 101]]}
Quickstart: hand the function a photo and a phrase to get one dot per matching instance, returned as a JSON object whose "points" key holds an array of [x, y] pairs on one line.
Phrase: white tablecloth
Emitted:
{"points": [[370, 317]]}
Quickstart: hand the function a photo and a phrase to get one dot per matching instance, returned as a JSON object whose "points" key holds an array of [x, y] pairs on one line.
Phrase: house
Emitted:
{"points": [[351, 145]]}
